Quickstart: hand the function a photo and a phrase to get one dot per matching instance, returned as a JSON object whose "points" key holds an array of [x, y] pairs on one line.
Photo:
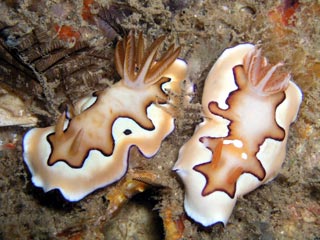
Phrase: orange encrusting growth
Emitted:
{"points": [[284, 13], [283, 16], [69, 33], [251, 112], [66, 33], [86, 10]]}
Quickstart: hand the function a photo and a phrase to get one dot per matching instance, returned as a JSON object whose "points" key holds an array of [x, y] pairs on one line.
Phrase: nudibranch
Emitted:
{"points": [[89, 146], [248, 105]]}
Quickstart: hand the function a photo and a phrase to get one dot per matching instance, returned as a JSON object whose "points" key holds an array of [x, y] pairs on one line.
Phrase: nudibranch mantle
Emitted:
{"points": [[248, 106], [89, 146]]}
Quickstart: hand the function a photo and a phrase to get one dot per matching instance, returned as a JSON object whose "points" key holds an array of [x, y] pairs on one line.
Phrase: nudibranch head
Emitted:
{"points": [[248, 106], [89, 146]]}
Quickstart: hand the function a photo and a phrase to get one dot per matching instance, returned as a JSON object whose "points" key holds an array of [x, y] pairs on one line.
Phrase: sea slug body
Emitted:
{"points": [[248, 106], [89, 146]]}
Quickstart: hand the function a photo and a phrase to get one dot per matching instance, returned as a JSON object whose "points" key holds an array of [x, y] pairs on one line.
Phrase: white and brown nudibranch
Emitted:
{"points": [[248, 106], [89, 147]]}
